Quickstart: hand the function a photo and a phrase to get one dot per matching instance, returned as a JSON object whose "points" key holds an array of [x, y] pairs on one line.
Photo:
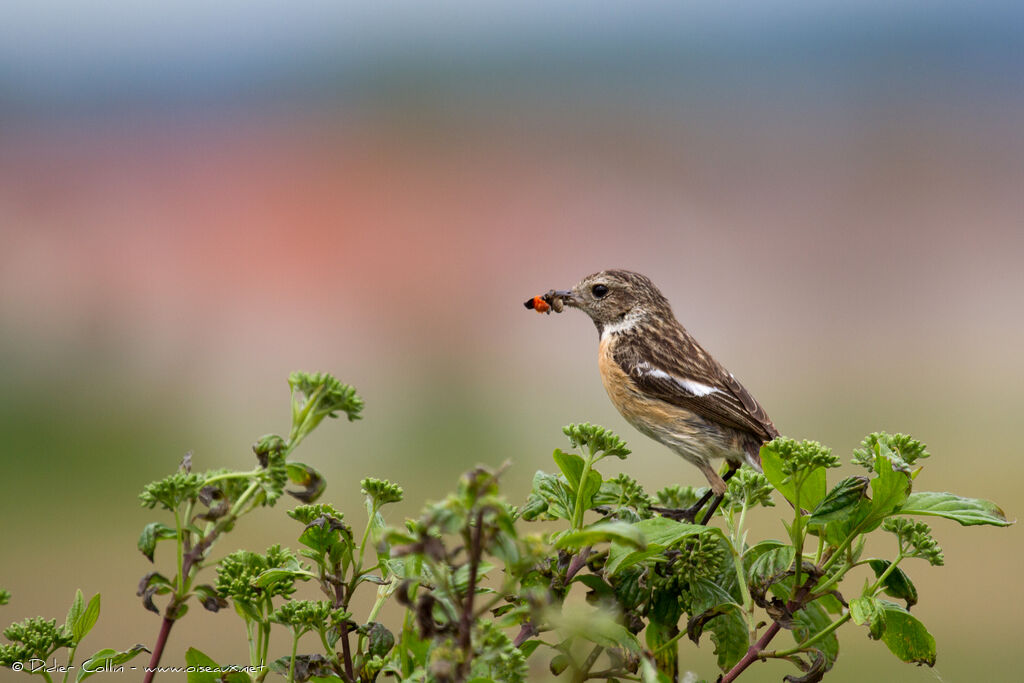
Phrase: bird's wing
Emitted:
{"points": [[699, 384]]}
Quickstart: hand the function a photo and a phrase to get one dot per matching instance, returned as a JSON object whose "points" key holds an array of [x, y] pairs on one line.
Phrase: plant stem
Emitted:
{"points": [[328, 649], [741, 579], [581, 674], [404, 643], [755, 651], [578, 562], [295, 650], [158, 649], [881, 579], [252, 643], [526, 631], [668, 643], [71, 658], [798, 537], [466, 623], [179, 542], [362, 546], [346, 648], [577, 511], [231, 475], [814, 639], [751, 654]]}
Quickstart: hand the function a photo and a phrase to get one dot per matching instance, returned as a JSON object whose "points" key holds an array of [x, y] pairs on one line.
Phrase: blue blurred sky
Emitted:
{"points": [[61, 57]]}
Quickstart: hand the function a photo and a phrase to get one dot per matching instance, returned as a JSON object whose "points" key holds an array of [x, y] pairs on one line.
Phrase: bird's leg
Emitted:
{"points": [[718, 499], [690, 514]]}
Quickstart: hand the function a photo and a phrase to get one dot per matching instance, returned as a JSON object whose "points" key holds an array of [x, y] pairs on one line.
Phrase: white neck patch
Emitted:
{"points": [[627, 323]]}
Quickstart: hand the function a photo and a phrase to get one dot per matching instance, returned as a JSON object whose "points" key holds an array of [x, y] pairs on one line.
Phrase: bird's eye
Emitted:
{"points": [[599, 290]]}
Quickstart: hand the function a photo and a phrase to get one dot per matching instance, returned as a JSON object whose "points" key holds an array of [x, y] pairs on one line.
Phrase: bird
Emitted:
{"points": [[664, 383]]}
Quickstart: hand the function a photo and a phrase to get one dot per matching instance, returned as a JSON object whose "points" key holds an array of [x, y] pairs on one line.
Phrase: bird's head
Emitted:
{"points": [[616, 297]]}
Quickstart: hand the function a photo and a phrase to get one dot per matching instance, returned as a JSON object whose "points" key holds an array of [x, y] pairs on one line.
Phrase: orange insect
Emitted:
{"points": [[545, 303], [538, 304]]}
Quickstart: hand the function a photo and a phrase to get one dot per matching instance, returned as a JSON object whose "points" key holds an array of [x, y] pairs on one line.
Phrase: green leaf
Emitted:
{"points": [[210, 671], [598, 626], [312, 482], [87, 619], [756, 551], [269, 576], [621, 533], [840, 502], [380, 640], [107, 660], [729, 634], [529, 646], [897, 584], [660, 533], [714, 609], [153, 533], [559, 663], [771, 465], [890, 488], [778, 460], [590, 488], [621, 557], [810, 621], [611, 635], [770, 563], [667, 532], [632, 588], [837, 530], [906, 637], [966, 511], [75, 611], [195, 658], [571, 466], [867, 611], [708, 595], [555, 492]]}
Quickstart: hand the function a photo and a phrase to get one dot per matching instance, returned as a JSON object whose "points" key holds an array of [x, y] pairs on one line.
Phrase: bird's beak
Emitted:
{"points": [[566, 295]]}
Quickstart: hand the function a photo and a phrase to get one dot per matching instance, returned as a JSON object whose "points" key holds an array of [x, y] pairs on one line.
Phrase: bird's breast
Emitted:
{"points": [[641, 411], [682, 430]]}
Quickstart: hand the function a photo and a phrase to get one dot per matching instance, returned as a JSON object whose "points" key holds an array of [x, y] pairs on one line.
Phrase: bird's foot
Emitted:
{"points": [[688, 515], [685, 514]]}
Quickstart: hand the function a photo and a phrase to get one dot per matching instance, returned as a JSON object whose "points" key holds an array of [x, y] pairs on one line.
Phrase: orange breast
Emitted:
{"points": [[621, 389]]}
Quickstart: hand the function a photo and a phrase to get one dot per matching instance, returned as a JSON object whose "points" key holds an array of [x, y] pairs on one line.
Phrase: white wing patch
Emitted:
{"points": [[688, 385]]}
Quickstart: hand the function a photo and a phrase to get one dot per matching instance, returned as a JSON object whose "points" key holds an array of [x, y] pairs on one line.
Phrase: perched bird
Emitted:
{"points": [[664, 383]]}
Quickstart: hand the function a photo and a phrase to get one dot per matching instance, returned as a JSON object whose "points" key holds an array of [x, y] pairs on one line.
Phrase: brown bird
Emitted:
{"points": [[664, 383]]}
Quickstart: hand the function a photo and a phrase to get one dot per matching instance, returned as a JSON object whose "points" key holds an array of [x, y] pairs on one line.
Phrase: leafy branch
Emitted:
{"points": [[472, 569]]}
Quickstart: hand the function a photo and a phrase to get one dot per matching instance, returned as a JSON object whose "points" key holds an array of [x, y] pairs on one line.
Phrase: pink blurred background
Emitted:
{"points": [[195, 201]]}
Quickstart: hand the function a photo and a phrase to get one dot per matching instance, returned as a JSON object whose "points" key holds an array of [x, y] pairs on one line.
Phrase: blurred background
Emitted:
{"points": [[197, 199]]}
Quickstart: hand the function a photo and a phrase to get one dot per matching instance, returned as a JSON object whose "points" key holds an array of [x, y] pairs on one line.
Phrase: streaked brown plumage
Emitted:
{"points": [[662, 381]]}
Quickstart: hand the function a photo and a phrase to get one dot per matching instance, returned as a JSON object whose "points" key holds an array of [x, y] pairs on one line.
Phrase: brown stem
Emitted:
{"points": [[748, 658], [346, 648], [158, 649], [466, 623], [526, 632], [798, 602], [578, 562]]}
